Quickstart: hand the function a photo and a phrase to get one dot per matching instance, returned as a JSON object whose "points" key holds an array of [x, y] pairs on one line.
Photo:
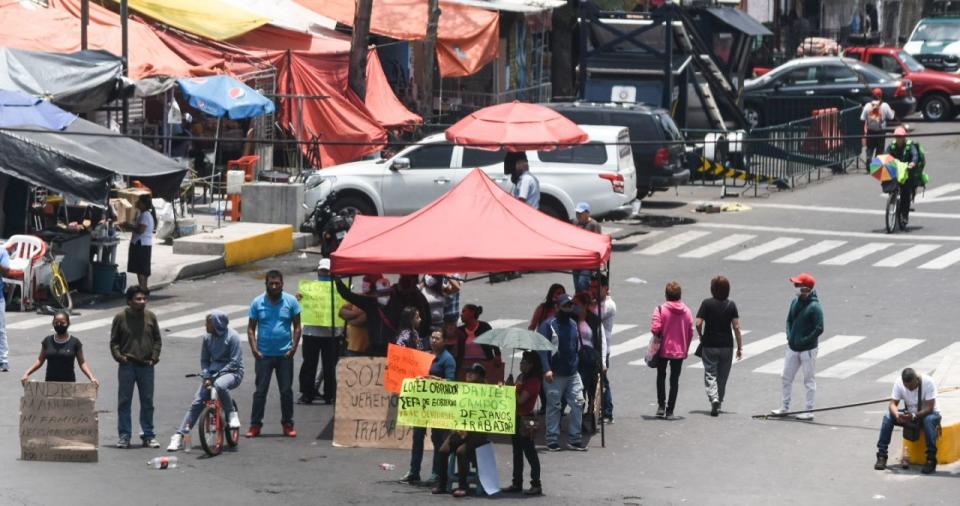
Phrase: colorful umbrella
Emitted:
{"points": [[516, 127], [21, 110], [221, 96], [887, 168]]}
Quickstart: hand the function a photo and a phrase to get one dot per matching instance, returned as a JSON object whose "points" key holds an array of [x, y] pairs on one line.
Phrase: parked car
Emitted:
{"points": [[600, 172], [825, 76], [658, 166], [937, 93], [935, 43]]}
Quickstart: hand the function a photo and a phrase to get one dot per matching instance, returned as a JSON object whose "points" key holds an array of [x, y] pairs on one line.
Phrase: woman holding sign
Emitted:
{"points": [[60, 351], [445, 368], [528, 390]]}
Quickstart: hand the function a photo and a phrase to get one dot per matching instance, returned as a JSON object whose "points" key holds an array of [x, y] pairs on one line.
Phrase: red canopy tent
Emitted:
{"points": [[475, 227]]}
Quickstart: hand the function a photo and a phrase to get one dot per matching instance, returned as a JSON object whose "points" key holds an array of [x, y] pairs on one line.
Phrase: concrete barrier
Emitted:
{"points": [[946, 375], [239, 243]]}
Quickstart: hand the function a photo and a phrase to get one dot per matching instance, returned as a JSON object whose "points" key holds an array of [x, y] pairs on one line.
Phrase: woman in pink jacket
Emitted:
{"points": [[673, 322]]}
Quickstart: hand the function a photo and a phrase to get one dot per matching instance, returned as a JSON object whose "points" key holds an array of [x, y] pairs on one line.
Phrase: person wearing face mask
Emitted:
{"points": [[381, 328], [804, 326], [59, 351], [321, 340], [562, 376]]}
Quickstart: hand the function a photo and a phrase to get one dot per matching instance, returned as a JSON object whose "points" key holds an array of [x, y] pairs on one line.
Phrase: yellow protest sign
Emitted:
{"points": [[315, 304], [475, 407]]}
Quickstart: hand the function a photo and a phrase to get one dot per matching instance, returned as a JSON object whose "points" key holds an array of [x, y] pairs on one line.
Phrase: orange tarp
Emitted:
{"points": [[467, 37]]}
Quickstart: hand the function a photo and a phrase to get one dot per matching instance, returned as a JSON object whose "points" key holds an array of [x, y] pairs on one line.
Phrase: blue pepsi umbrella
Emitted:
{"points": [[222, 95], [22, 110]]}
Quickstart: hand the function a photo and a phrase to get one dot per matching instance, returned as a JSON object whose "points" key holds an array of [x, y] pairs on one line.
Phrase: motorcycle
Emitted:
{"points": [[328, 225]]}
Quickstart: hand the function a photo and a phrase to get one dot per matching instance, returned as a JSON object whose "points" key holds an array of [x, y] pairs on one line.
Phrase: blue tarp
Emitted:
{"points": [[221, 96], [19, 109]]}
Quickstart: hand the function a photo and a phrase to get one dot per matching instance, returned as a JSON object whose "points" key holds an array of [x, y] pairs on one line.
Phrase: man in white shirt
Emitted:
{"points": [[919, 395], [874, 116], [527, 186]]}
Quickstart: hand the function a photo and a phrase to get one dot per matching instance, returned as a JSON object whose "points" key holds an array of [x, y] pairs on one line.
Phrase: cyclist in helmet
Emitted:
{"points": [[908, 152]]}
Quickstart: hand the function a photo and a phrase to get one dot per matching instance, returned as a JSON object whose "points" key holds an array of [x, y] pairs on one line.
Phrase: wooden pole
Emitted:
{"points": [[429, 60], [359, 48], [84, 21]]}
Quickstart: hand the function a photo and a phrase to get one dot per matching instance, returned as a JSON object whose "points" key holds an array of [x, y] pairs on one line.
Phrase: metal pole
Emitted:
{"points": [[125, 58], [213, 173], [668, 59], [84, 21]]}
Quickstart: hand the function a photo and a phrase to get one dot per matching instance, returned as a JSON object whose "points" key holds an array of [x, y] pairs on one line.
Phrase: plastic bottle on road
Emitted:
{"points": [[187, 443], [387, 467], [163, 462]]}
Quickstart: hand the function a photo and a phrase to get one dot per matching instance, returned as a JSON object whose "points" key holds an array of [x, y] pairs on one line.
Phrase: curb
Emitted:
{"points": [[258, 246]]}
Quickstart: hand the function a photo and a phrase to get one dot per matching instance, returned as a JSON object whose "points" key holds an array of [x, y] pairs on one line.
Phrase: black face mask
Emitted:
{"points": [[60, 329]]}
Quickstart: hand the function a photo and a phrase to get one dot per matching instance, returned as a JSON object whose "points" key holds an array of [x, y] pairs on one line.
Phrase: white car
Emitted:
{"points": [[600, 172]]}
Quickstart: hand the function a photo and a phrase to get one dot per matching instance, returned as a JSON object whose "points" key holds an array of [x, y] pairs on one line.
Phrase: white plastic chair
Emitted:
{"points": [[25, 252]]}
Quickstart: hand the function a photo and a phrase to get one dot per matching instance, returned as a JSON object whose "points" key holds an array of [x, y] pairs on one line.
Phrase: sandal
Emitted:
{"points": [[459, 493]]}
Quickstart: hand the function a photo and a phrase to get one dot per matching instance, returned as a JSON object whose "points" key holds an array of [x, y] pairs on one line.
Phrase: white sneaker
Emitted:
{"points": [[806, 417], [234, 422], [176, 442], [779, 412]]}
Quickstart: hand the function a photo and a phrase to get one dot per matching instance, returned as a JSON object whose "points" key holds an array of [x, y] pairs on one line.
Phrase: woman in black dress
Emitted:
{"points": [[59, 351]]}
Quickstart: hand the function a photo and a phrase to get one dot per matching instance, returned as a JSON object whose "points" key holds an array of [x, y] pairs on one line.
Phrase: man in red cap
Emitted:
{"points": [[874, 116], [804, 326]]}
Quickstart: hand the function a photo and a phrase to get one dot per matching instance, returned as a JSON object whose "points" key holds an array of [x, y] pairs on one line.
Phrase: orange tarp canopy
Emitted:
{"points": [[467, 37]]}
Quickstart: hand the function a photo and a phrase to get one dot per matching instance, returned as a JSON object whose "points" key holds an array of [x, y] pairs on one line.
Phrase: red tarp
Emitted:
{"points": [[467, 37], [484, 229]]}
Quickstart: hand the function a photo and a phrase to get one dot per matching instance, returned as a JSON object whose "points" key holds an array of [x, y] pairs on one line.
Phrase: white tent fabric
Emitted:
{"points": [[288, 14], [524, 6]]}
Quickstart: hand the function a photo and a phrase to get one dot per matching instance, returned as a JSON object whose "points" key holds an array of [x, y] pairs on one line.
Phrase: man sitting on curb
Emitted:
{"points": [[922, 411]]}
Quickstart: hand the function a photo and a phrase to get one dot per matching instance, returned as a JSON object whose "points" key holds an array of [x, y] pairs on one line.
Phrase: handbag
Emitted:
{"points": [[652, 358], [699, 351], [530, 426], [911, 429]]}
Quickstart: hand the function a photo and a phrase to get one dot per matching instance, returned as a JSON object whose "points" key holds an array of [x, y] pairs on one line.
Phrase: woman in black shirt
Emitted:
{"points": [[59, 351], [723, 322]]}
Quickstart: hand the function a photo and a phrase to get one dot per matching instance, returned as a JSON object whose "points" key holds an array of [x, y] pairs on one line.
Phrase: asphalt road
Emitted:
{"points": [[887, 300]]}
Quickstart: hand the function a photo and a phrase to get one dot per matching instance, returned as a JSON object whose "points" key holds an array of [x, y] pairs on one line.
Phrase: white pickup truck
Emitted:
{"points": [[600, 172]]}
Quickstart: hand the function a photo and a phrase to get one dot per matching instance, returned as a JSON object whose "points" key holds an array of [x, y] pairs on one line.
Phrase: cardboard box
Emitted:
{"points": [[124, 210], [131, 194]]}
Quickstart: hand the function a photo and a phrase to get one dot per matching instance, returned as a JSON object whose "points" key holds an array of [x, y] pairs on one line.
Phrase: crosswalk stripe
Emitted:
{"points": [[505, 323], [634, 239], [763, 249], [673, 242], [926, 365], [810, 251], [857, 253], [629, 345], [199, 316], [943, 261], [718, 246], [45, 320], [611, 230], [158, 310], [906, 255], [239, 324], [826, 347], [752, 349], [870, 358], [620, 327]]}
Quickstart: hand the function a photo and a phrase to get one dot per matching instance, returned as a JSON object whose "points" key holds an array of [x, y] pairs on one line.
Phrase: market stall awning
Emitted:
{"points": [[79, 82], [521, 6], [212, 19], [288, 14], [740, 20], [83, 159], [221, 96], [485, 229]]}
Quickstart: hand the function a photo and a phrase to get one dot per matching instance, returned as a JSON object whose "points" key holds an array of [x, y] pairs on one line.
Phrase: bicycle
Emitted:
{"points": [[894, 219], [59, 287], [212, 423]]}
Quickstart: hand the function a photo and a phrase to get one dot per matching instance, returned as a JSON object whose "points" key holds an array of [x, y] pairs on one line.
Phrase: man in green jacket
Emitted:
{"points": [[804, 326], [135, 345]]}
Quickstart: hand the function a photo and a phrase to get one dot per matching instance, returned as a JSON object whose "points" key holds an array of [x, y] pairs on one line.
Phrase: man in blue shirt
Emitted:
{"points": [[274, 334], [4, 270], [562, 377]]}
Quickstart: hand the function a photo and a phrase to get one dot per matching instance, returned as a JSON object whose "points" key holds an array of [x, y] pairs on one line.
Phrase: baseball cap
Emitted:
{"points": [[583, 207], [479, 370], [877, 92], [564, 299], [324, 264], [900, 132], [804, 279]]}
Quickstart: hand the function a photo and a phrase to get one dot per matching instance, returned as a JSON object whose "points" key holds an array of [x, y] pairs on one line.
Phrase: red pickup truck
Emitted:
{"points": [[938, 93]]}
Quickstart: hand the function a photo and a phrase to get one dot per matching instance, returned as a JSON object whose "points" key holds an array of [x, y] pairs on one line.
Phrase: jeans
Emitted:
{"points": [[570, 389], [437, 437], [284, 370], [676, 366], [4, 349], [224, 384], [930, 424], [523, 447], [794, 361], [607, 394], [140, 375], [315, 350], [716, 370]]}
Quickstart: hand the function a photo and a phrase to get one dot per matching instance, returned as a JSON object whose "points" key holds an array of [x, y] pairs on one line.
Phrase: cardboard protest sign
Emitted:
{"points": [[58, 422], [475, 407], [315, 304], [366, 414], [403, 363]]}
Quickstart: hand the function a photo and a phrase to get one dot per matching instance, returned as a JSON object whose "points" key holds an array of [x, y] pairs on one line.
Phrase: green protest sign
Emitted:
{"points": [[315, 304], [474, 407]]}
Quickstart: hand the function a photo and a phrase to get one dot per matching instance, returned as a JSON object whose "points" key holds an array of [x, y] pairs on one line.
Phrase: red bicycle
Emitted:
{"points": [[212, 424]]}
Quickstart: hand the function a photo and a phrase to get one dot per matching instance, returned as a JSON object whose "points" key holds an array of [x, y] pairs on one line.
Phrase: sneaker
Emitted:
{"points": [[715, 408], [806, 417], [534, 490], [608, 420], [253, 431], [553, 447], [151, 442], [905, 462], [303, 399], [661, 411], [669, 415], [123, 443], [577, 447], [410, 478], [930, 467], [4, 367], [234, 422], [881, 462], [289, 431], [513, 489], [779, 412], [176, 442]]}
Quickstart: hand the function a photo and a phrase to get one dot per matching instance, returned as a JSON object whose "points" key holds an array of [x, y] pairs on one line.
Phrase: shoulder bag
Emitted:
{"points": [[911, 429], [653, 357]]}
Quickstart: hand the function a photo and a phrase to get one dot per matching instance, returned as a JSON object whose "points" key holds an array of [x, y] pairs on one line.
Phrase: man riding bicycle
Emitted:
{"points": [[221, 363], [908, 152]]}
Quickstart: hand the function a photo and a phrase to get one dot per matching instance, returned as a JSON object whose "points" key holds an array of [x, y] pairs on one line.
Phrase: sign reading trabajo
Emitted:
{"points": [[365, 414], [456, 405], [58, 422]]}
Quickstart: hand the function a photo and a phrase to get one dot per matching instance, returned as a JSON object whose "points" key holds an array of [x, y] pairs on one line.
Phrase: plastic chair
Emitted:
{"points": [[25, 251], [245, 163]]}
